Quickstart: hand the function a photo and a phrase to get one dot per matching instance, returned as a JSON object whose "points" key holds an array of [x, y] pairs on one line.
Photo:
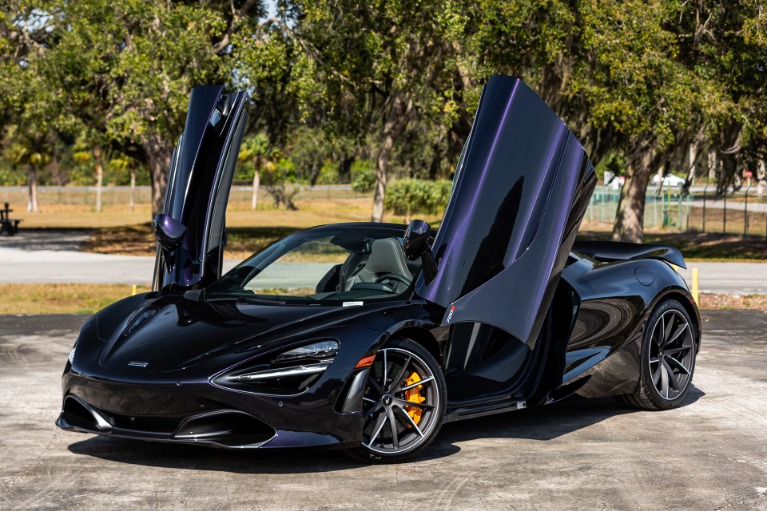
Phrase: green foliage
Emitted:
{"points": [[340, 87], [408, 196], [328, 174], [363, 176], [614, 162]]}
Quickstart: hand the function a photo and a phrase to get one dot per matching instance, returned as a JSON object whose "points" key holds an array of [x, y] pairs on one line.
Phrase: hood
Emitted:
{"points": [[193, 332], [190, 230], [520, 191]]}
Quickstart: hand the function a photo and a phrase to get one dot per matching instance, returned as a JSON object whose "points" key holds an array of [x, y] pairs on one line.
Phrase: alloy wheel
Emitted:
{"points": [[401, 404], [672, 354]]}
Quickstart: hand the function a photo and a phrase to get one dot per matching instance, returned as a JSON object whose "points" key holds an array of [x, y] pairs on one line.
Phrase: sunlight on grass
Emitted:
{"points": [[61, 298]]}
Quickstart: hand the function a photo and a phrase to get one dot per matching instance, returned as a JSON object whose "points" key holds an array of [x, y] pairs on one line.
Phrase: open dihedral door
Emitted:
{"points": [[190, 230], [520, 191]]}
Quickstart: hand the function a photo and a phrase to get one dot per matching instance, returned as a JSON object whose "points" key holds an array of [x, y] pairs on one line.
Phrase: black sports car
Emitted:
{"points": [[370, 336]]}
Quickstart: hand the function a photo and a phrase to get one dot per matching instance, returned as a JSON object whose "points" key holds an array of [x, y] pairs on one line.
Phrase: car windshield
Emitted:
{"points": [[333, 265]]}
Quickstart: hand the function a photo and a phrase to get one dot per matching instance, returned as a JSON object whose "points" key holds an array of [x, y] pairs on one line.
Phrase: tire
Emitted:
{"points": [[669, 347], [402, 416]]}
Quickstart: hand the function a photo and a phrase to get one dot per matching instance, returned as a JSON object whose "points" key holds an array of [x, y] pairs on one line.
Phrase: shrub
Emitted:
{"points": [[408, 196], [363, 176]]}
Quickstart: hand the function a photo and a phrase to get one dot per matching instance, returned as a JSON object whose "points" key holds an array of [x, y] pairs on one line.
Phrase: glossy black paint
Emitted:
{"points": [[190, 231], [513, 317], [618, 251], [416, 243], [615, 300], [204, 340]]}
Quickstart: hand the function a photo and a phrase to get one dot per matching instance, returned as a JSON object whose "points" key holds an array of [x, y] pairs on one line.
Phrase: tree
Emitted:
{"points": [[384, 64], [256, 150], [727, 42], [28, 104], [126, 70], [636, 88], [120, 72]]}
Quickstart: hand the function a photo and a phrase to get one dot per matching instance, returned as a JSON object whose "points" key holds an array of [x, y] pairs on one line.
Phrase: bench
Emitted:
{"points": [[8, 226]]}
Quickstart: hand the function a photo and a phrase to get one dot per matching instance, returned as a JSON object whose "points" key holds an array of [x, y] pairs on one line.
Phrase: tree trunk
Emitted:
{"points": [[32, 204], [713, 164], [58, 178], [158, 155], [132, 186], [382, 170], [692, 157], [629, 218], [396, 121], [99, 175], [659, 186], [256, 181]]}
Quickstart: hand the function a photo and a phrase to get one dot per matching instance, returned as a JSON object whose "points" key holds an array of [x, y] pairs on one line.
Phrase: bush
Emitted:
{"points": [[363, 176], [408, 196]]}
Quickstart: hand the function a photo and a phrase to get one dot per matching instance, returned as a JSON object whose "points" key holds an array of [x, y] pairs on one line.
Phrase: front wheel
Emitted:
{"points": [[668, 359], [404, 403]]}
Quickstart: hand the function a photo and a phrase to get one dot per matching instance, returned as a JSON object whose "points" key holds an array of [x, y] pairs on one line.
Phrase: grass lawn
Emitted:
{"points": [[60, 298]]}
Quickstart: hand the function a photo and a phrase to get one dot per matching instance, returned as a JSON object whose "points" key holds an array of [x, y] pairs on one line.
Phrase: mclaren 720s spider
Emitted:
{"points": [[369, 336]]}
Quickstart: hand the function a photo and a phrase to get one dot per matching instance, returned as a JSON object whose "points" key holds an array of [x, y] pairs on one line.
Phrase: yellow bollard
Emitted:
{"points": [[694, 289], [133, 291]]}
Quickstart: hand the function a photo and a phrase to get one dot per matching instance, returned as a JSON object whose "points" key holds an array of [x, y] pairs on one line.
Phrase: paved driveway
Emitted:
{"points": [[709, 454], [729, 278]]}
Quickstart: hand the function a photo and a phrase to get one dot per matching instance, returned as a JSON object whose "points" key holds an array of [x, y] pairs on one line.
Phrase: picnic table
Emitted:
{"points": [[8, 226]]}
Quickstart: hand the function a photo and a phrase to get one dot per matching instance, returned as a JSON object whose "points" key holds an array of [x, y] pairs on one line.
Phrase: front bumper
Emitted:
{"points": [[204, 414]]}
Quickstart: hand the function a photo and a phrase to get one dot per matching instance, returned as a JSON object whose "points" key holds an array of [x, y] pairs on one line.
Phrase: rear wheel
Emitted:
{"points": [[403, 404], [668, 359]]}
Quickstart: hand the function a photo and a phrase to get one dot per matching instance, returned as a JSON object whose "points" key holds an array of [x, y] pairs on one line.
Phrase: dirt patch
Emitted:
{"points": [[736, 302]]}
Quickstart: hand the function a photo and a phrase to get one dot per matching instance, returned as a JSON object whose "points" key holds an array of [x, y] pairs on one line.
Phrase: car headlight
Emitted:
{"points": [[314, 351], [71, 357], [288, 372]]}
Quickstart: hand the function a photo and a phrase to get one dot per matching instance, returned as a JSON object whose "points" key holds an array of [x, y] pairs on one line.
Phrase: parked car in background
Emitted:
{"points": [[669, 180]]}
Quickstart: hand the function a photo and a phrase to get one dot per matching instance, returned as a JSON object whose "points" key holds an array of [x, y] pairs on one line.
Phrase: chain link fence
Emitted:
{"points": [[742, 213], [18, 196]]}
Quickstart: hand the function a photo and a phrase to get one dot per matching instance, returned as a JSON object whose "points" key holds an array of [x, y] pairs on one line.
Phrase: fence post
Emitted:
{"points": [[724, 213], [704, 207], [602, 204], [679, 208]]}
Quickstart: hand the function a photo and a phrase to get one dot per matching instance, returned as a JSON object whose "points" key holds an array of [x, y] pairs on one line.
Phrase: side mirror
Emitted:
{"points": [[416, 244], [168, 231]]}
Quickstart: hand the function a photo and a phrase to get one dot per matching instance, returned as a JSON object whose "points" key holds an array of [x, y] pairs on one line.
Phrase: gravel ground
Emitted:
{"points": [[709, 454]]}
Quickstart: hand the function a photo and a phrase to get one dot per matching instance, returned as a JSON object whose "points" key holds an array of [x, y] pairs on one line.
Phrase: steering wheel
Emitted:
{"points": [[393, 276]]}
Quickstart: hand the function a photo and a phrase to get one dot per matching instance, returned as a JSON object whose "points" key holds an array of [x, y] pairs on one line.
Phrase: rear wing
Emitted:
{"points": [[608, 251]]}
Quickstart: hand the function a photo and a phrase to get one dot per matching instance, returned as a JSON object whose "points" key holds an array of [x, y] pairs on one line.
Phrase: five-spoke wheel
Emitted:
{"points": [[403, 404]]}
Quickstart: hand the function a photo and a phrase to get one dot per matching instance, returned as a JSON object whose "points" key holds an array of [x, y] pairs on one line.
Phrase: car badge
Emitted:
{"points": [[135, 363]]}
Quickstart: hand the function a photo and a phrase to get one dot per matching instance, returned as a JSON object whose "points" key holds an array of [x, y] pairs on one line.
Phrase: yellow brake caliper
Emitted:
{"points": [[414, 396]]}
